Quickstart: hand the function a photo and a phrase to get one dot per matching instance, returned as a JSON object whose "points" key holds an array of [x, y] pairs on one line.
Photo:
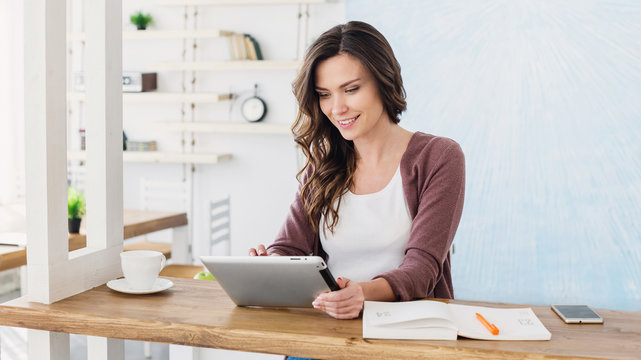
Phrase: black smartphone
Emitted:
{"points": [[577, 314]]}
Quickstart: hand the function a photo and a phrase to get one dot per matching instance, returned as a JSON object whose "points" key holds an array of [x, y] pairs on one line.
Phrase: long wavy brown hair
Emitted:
{"points": [[331, 160]]}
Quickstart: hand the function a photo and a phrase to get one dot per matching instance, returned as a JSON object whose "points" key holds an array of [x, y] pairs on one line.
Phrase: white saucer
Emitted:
{"points": [[121, 285]]}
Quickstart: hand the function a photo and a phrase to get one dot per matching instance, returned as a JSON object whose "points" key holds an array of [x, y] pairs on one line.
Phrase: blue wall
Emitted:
{"points": [[544, 97]]}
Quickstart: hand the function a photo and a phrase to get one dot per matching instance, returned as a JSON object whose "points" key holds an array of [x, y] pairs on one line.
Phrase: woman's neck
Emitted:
{"points": [[387, 144]]}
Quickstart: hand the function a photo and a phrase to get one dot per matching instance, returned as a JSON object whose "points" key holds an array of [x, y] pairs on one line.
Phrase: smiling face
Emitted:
{"points": [[348, 95]]}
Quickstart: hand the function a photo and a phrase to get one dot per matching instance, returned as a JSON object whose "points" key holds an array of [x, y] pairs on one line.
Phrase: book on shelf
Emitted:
{"points": [[254, 48], [244, 47], [435, 320], [259, 53], [239, 47], [249, 48]]}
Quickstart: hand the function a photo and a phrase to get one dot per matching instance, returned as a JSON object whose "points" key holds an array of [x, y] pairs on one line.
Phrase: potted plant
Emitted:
{"points": [[76, 208], [141, 20]]}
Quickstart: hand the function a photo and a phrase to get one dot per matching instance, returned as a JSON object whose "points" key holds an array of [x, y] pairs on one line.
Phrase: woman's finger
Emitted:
{"points": [[342, 310], [345, 303], [350, 312], [335, 296], [258, 251]]}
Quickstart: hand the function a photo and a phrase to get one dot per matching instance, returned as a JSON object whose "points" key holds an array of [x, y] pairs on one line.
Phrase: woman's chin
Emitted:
{"points": [[347, 134]]}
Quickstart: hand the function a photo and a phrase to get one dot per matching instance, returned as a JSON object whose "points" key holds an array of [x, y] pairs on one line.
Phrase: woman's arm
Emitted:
{"points": [[296, 237], [377, 290], [440, 192]]}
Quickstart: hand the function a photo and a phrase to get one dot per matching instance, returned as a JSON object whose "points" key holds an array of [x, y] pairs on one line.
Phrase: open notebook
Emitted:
{"points": [[434, 320]]}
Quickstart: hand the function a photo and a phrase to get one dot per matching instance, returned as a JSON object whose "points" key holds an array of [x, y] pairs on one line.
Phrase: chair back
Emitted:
{"points": [[220, 224]]}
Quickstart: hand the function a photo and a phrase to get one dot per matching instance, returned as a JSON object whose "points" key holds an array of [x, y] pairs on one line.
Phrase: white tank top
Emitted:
{"points": [[371, 234]]}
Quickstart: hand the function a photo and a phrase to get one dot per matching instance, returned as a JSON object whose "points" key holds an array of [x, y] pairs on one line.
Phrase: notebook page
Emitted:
{"points": [[411, 312], [408, 320], [513, 324]]}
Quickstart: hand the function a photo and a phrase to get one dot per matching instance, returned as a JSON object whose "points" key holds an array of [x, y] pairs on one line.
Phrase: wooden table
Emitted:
{"points": [[198, 313], [136, 223]]}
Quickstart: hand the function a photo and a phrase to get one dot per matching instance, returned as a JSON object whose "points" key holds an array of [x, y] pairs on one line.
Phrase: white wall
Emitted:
{"points": [[261, 176]]}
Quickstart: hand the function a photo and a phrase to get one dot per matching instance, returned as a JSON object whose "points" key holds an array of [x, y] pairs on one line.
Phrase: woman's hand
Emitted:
{"points": [[258, 251], [345, 303]]}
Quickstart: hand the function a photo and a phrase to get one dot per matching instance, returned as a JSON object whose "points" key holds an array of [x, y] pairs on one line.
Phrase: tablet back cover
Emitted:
{"points": [[283, 281]]}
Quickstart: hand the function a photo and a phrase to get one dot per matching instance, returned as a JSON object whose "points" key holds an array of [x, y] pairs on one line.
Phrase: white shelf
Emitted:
{"points": [[161, 157], [226, 127], [160, 97], [232, 2], [225, 65], [160, 34]]}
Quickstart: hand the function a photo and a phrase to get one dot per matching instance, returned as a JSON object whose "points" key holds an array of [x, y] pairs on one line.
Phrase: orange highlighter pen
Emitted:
{"points": [[490, 327]]}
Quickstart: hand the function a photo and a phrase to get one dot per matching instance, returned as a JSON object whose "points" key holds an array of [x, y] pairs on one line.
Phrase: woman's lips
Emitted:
{"points": [[344, 124]]}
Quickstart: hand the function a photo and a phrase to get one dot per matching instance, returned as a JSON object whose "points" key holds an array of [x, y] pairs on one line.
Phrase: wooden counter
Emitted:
{"points": [[198, 313]]}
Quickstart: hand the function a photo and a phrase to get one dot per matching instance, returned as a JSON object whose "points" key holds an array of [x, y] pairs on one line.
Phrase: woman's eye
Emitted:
{"points": [[351, 90], [323, 95]]}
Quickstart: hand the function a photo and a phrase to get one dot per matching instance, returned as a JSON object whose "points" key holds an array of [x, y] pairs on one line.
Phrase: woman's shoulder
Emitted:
{"points": [[430, 148], [426, 157]]}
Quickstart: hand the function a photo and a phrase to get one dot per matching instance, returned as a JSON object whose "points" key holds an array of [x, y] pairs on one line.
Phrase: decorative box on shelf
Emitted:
{"points": [[131, 82]]}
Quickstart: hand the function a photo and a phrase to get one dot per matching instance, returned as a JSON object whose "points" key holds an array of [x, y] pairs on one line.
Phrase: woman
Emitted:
{"points": [[380, 204]]}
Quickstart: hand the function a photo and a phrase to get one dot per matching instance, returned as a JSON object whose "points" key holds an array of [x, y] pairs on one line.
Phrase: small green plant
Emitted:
{"points": [[75, 203], [141, 20]]}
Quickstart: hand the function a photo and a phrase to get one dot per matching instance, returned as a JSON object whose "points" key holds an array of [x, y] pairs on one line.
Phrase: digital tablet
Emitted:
{"points": [[283, 281]]}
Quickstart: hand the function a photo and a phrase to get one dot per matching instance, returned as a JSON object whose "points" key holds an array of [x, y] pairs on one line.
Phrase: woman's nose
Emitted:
{"points": [[339, 106]]}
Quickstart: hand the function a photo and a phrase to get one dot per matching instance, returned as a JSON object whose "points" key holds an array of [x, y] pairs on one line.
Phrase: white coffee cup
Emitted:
{"points": [[141, 267]]}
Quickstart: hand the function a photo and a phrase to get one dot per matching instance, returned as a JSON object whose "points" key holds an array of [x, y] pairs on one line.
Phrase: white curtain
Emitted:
{"points": [[11, 102]]}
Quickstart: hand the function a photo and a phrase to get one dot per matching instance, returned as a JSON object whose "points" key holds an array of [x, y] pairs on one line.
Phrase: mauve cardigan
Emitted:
{"points": [[433, 173]]}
